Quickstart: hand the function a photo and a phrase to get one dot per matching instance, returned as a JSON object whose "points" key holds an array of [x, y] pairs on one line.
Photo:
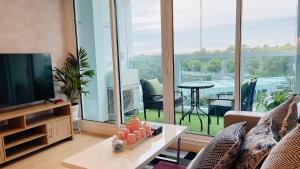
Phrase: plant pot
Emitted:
{"points": [[75, 112]]}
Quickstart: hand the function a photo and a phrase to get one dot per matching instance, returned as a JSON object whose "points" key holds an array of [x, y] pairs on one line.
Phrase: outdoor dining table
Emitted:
{"points": [[195, 100]]}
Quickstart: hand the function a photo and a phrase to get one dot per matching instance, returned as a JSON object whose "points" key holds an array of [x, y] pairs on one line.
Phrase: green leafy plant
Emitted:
{"points": [[276, 99], [74, 76], [289, 83], [260, 100]]}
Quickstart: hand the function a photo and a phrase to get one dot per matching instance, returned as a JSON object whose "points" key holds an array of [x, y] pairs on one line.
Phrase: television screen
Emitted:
{"points": [[25, 78]]}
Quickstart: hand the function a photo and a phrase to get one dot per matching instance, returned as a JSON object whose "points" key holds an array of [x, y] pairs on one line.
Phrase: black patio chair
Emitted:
{"points": [[153, 99], [222, 104]]}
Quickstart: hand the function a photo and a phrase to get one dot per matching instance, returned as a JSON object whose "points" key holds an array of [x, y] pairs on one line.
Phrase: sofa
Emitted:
{"points": [[233, 117], [251, 121], [251, 118]]}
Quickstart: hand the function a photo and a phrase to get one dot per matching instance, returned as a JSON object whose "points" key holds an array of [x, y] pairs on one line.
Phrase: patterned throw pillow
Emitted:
{"points": [[223, 149], [286, 154], [290, 121], [257, 144], [278, 114]]}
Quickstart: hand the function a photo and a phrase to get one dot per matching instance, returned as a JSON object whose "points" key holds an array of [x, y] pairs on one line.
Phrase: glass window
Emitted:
{"points": [[94, 35], [139, 45], [269, 34], [204, 65]]}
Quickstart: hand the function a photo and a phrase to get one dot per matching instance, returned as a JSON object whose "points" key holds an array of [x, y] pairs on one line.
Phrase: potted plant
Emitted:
{"points": [[73, 78]]}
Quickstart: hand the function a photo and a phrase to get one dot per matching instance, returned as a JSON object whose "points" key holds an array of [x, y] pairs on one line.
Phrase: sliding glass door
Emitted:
{"points": [[204, 65], [140, 61], [269, 33], [94, 35], [207, 70]]}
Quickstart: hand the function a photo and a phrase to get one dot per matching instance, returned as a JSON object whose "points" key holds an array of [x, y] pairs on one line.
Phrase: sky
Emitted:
{"points": [[262, 24]]}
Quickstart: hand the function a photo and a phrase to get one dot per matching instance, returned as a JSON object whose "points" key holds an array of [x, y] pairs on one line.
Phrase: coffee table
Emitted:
{"points": [[101, 155]]}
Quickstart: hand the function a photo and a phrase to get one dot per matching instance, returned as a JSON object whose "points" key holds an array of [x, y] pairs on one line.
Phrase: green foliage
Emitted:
{"points": [[275, 66], [289, 85], [252, 66], [230, 65], [192, 65], [260, 98], [214, 65], [207, 65], [74, 76], [149, 69], [261, 66], [267, 48], [186, 65], [274, 100]]}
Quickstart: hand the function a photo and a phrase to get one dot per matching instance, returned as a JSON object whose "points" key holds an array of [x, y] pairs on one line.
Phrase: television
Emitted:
{"points": [[25, 79]]}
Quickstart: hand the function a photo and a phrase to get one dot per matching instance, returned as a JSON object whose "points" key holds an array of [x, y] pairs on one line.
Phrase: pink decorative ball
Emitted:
{"points": [[137, 135], [131, 139], [121, 135], [143, 132]]}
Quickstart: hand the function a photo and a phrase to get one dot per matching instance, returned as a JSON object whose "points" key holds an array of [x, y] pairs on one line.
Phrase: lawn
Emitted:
{"points": [[193, 126]]}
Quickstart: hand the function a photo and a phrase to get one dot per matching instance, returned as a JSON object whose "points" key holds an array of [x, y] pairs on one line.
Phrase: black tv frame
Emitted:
{"points": [[43, 101]]}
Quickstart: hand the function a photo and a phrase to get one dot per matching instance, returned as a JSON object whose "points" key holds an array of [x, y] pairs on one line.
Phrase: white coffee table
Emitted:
{"points": [[101, 155]]}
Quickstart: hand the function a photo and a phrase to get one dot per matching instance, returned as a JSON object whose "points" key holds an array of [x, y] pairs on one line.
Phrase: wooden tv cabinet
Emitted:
{"points": [[28, 129]]}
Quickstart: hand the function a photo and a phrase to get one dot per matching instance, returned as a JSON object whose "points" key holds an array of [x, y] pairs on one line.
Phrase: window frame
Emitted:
{"points": [[167, 39]]}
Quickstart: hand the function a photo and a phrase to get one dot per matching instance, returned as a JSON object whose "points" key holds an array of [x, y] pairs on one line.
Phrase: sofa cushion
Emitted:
{"points": [[257, 144], [223, 149], [286, 154], [279, 113], [290, 121], [251, 118], [152, 87]]}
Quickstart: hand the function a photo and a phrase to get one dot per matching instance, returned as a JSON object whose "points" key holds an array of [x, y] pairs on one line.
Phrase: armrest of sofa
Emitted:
{"points": [[192, 162], [251, 118]]}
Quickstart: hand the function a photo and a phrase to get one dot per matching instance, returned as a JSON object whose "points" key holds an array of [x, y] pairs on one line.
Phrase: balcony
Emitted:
{"points": [[273, 82]]}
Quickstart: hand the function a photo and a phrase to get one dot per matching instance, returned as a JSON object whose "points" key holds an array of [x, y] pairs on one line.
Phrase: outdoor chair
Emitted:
{"points": [[153, 97], [225, 101]]}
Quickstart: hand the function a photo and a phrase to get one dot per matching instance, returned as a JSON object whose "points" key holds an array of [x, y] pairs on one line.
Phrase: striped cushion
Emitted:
{"points": [[290, 121], [278, 114], [257, 144], [286, 154], [223, 149]]}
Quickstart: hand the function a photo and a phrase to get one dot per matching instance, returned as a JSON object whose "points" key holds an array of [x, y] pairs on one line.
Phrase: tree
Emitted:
{"points": [[229, 65], [252, 66], [186, 65], [197, 65], [192, 65], [214, 65], [149, 69], [272, 67]]}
